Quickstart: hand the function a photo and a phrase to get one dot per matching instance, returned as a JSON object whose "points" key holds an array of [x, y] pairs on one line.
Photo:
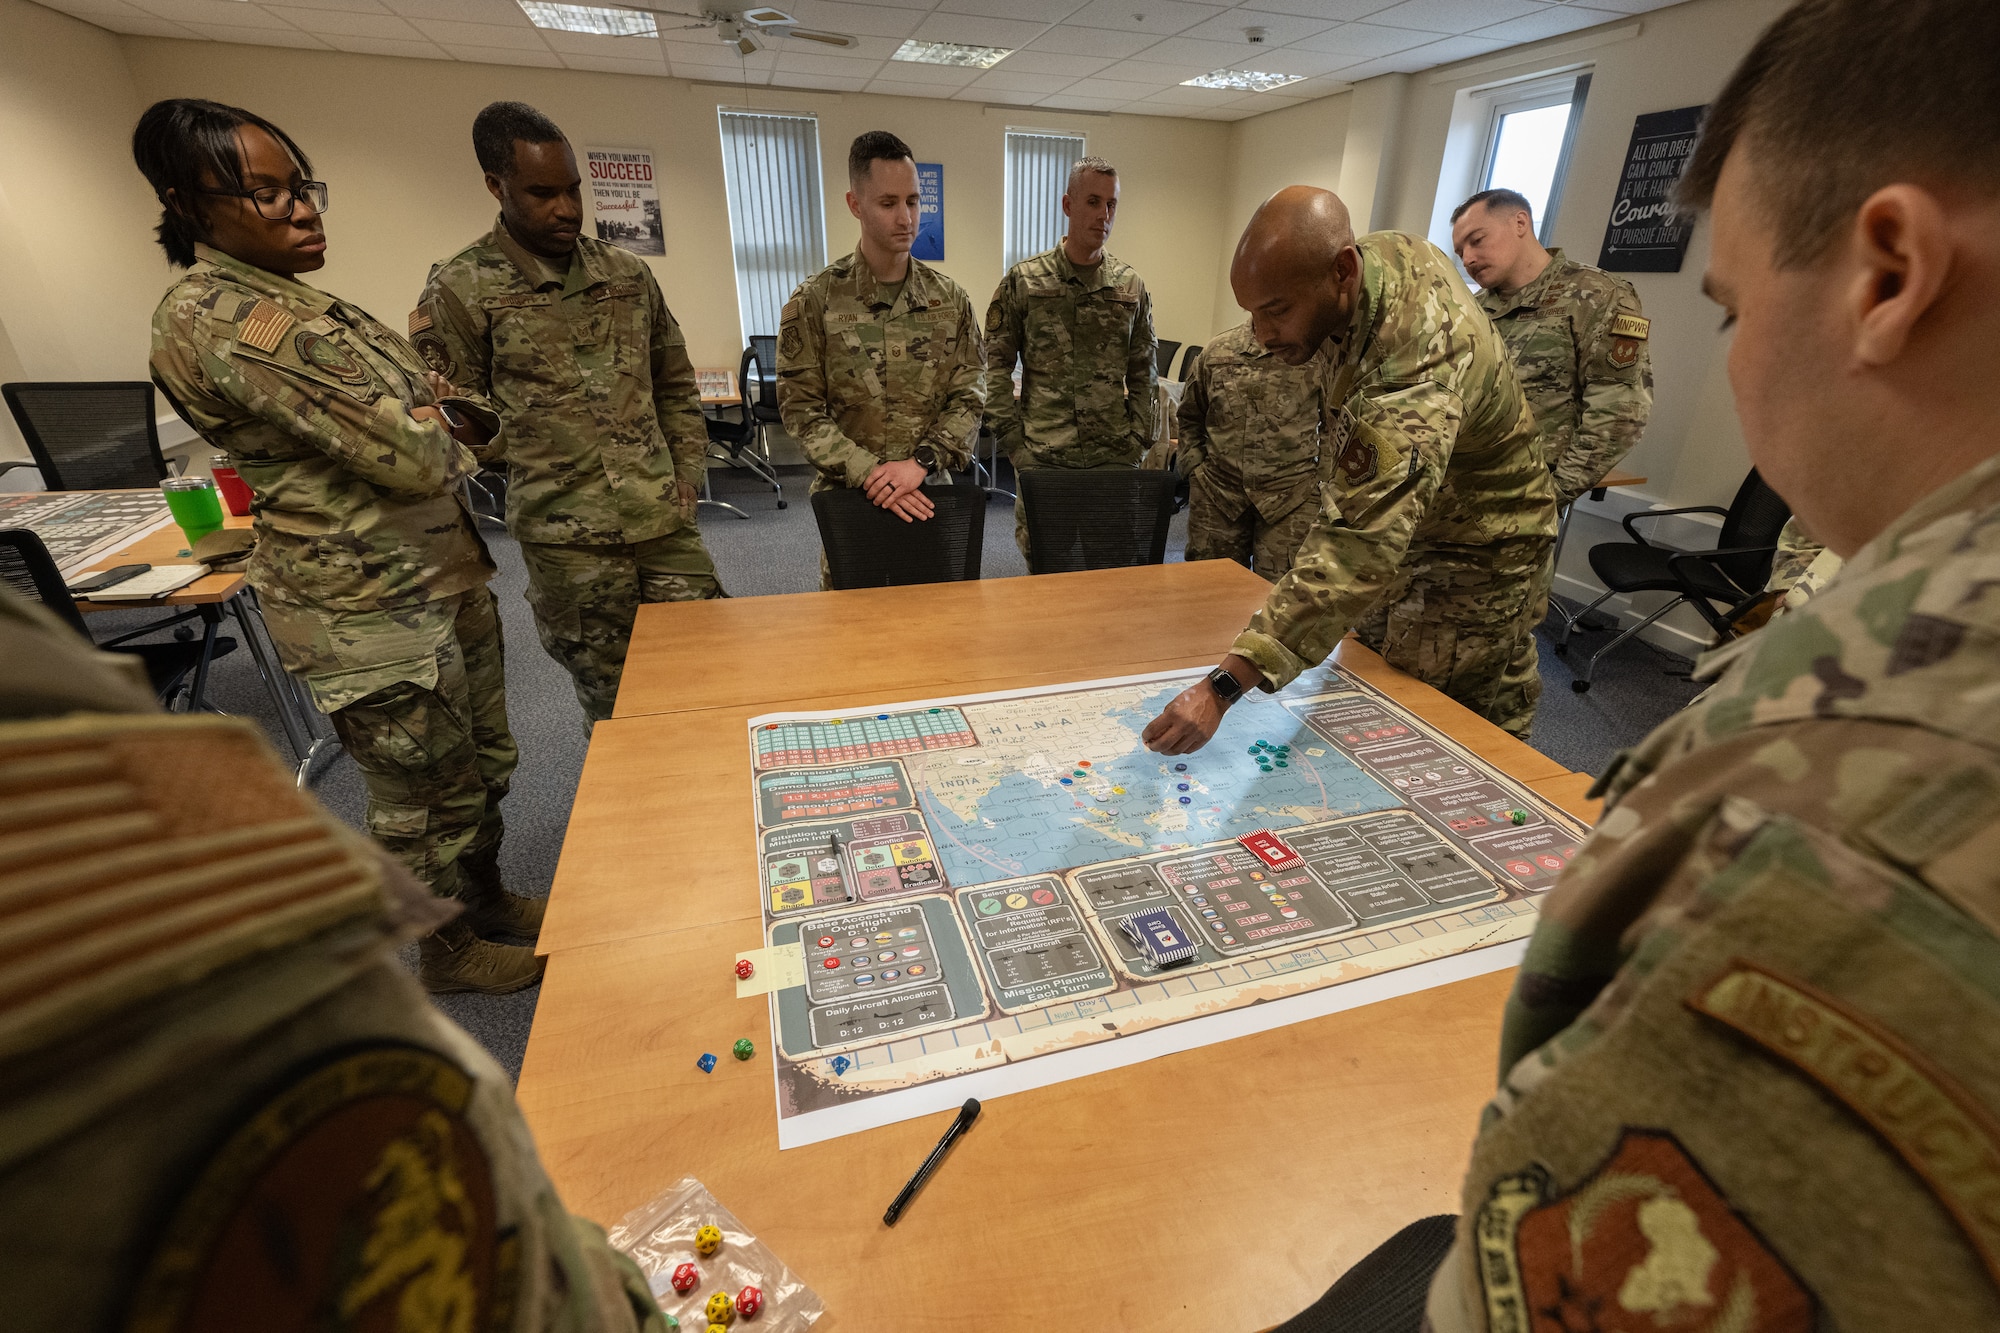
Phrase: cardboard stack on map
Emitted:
{"points": [[978, 895]]}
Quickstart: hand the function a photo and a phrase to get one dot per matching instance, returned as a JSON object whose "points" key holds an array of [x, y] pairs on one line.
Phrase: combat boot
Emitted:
{"points": [[456, 959], [489, 908]]}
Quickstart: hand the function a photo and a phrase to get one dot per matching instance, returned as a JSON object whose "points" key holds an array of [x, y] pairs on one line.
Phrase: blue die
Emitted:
{"points": [[707, 1063], [840, 1064]]}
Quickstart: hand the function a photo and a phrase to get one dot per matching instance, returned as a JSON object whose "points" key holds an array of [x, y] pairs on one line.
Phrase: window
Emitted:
{"points": [[1528, 146], [1038, 166], [777, 223]]}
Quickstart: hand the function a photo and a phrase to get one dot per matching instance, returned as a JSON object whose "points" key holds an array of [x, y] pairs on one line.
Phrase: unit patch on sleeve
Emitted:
{"points": [[1644, 1244], [324, 353]]}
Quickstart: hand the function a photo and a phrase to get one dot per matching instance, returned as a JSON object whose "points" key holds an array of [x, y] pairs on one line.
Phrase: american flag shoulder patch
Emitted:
{"points": [[264, 327], [420, 319]]}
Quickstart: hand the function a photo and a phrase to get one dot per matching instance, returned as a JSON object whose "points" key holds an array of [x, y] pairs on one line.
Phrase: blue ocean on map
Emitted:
{"points": [[1063, 780]]}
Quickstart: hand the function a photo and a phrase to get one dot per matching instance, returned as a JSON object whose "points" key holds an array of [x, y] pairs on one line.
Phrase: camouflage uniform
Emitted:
{"points": [[1750, 1072], [1086, 348], [1801, 568], [1437, 514], [589, 374], [867, 375], [1249, 447], [370, 573], [1580, 344], [225, 1104]]}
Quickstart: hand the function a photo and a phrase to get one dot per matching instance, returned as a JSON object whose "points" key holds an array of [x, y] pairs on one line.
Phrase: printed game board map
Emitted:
{"points": [[954, 875], [79, 527]]}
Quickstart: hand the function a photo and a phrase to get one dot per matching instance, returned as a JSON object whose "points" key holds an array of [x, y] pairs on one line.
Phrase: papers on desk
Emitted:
{"points": [[155, 582]]}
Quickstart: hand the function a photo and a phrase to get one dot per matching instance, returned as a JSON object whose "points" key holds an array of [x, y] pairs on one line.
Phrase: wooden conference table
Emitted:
{"points": [[1217, 1189]]}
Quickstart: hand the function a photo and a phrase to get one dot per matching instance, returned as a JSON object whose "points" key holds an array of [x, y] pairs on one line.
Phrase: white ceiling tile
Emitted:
{"points": [[1294, 60], [1091, 42], [910, 71], [385, 46], [614, 65], [1337, 11], [465, 11], [1454, 48], [998, 96], [358, 6], [228, 12], [1633, 6], [220, 32], [973, 30], [1161, 18], [1067, 101], [1279, 29], [1205, 98], [341, 23], [1222, 113], [98, 10], [1553, 22], [759, 77], [1041, 85], [596, 44], [1324, 86], [1036, 11], [1151, 109], [1453, 16], [1364, 41], [718, 61], [1052, 62], [825, 83], [447, 33], [794, 61], [859, 20], [1189, 51], [499, 55], [1150, 71], [885, 88], [1369, 69]]}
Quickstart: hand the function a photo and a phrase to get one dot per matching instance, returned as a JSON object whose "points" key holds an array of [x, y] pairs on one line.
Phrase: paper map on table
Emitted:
{"points": [[958, 873], [79, 526]]}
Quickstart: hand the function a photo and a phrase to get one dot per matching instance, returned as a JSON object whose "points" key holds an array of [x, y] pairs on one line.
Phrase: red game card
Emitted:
{"points": [[1270, 849]]}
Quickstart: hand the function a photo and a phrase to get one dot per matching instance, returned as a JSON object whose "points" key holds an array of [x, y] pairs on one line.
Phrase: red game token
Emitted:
{"points": [[749, 1301], [744, 969], [686, 1278]]}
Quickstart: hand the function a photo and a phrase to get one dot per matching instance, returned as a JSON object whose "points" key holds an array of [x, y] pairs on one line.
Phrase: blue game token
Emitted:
{"points": [[881, 717], [1182, 785], [1180, 768], [1066, 782], [1187, 800]]}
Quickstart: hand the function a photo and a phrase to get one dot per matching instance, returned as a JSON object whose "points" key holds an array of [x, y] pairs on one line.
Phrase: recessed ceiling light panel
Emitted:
{"points": [[589, 18], [1242, 80], [951, 53]]}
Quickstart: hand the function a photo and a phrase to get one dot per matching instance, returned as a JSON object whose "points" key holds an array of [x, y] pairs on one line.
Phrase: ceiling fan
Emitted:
{"points": [[747, 29]]}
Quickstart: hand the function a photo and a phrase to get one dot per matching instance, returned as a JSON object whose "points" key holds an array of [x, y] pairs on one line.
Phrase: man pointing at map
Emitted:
{"points": [[1437, 515]]}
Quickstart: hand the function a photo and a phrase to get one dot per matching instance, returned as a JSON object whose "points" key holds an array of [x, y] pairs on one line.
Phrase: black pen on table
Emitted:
{"points": [[966, 1115]]}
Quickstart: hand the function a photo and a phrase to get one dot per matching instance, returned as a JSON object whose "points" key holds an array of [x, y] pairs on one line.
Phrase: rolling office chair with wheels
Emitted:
{"points": [[1163, 358], [1187, 361], [1731, 576], [869, 547], [29, 570], [1097, 518], [89, 435]]}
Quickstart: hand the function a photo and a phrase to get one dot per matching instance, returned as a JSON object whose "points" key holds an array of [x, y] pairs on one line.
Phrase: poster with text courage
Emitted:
{"points": [[1646, 232], [625, 200]]}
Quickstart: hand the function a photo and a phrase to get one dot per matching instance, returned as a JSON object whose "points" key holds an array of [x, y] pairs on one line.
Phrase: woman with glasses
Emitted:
{"points": [[371, 575]]}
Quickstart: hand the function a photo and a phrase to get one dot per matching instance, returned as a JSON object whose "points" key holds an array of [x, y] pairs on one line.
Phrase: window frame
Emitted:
{"points": [[1536, 95], [812, 208], [1007, 256]]}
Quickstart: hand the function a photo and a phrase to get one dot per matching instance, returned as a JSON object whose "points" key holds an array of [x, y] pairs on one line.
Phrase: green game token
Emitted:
{"points": [[1282, 764], [1251, 750]]}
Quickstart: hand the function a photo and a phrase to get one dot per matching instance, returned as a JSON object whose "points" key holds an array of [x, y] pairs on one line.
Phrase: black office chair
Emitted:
{"points": [[1730, 577], [867, 547], [89, 436], [1187, 361], [1096, 518], [29, 570], [763, 403], [1163, 359], [740, 443]]}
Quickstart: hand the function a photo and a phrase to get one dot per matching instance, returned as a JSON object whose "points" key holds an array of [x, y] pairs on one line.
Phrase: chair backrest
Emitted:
{"points": [[1187, 361], [1163, 359], [764, 401], [1097, 518], [89, 436], [868, 547], [29, 570], [1755, 518]]}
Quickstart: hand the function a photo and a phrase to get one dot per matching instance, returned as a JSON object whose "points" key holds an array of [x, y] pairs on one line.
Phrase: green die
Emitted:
{"points": [[743, 1049]]}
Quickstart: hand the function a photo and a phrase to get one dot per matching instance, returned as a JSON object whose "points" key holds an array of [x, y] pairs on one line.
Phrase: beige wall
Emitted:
{"points": [[1301, 145]]}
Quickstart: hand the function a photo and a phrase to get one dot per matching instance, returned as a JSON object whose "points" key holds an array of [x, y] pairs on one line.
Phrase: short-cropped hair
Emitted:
{"points": [[496, 129], [1088, 166], [1496, 201], [872, 147], [1840, 98]]}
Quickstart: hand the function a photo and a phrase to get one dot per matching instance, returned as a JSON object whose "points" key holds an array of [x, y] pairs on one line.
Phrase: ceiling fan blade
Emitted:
{"points": [[766, 17], [827, 38]]}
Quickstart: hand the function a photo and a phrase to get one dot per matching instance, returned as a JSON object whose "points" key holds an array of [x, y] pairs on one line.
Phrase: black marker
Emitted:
{"points": [[966, 1115]]}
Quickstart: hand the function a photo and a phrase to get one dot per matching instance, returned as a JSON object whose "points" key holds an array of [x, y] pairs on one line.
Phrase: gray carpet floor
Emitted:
{"points": [[777, 551]]}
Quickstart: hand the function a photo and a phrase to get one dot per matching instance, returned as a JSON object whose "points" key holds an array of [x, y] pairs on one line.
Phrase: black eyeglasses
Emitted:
{"points": [[275, 202]]}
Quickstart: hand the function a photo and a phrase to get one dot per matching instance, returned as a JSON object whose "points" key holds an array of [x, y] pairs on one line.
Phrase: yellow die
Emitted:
{"points": [[708, 1240], [718, 1328], [721, 1310]]}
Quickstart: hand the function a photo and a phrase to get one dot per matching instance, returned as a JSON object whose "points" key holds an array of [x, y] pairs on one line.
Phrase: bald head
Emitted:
{"points": [[1297, 271]]}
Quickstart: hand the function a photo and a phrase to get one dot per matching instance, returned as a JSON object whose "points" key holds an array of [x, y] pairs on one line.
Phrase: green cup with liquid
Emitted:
{"points": [[195, 505]]}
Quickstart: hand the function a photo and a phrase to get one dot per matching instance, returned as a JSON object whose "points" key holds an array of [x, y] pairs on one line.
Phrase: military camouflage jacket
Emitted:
{"points": [[356, 501], [864, 380], [1428, 447], [1086, 349], [224, 1102], [1253, 422], [587, 367], [1580, 344], [1751, 1066]]}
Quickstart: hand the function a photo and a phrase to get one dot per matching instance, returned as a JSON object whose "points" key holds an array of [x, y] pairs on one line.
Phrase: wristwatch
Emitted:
{"points": [[1226, 687], [454, 418], [926, 455]]}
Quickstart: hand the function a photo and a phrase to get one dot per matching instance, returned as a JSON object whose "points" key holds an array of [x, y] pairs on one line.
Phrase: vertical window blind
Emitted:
{"points": [[1037, 170], [777, 222]]}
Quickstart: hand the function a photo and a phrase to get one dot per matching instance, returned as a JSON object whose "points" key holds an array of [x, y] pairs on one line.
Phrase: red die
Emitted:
{"points": [[744, 968], [686, 1278], [749, 1301]]}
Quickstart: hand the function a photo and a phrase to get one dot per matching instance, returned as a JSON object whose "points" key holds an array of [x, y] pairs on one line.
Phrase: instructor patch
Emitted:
{"points": [[435, 354], [1631, 326], [1644, 1244], [356, 1197]]}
